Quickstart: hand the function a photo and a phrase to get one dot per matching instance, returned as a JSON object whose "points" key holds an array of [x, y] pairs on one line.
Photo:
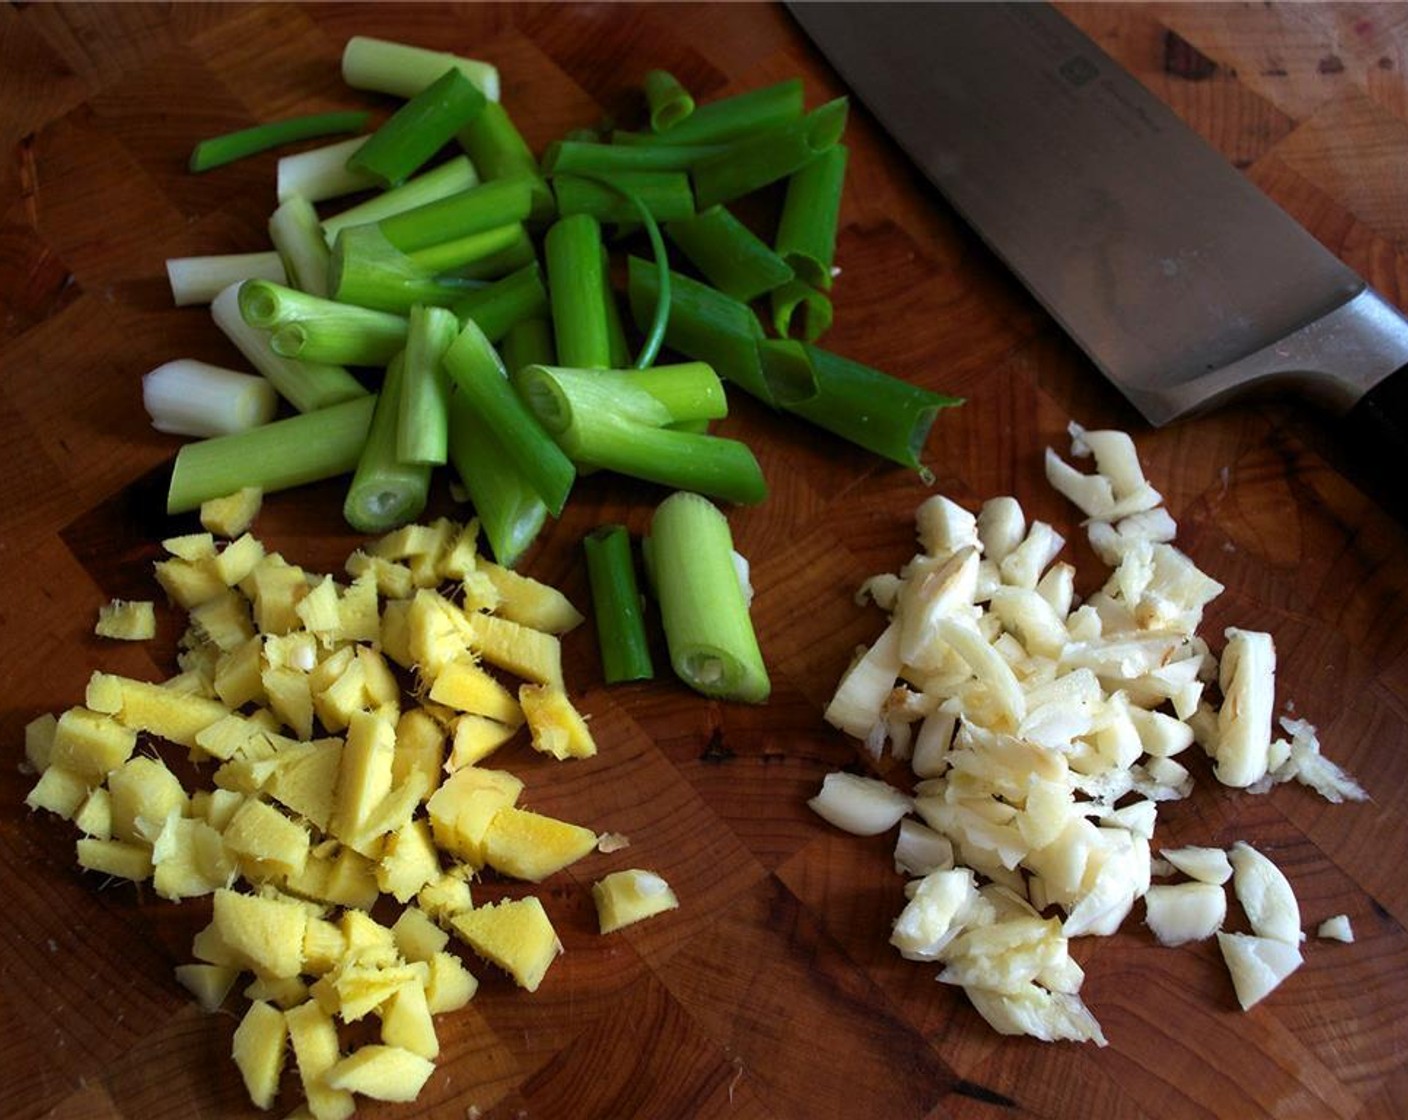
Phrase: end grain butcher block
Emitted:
{"points": [[772, 991]]}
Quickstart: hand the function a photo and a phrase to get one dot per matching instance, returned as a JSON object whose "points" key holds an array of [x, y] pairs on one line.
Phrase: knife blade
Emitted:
{"points": [[1183, 282]]}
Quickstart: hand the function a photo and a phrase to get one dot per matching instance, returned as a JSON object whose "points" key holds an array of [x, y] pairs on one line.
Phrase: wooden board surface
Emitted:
{"points": [[772, 991]]}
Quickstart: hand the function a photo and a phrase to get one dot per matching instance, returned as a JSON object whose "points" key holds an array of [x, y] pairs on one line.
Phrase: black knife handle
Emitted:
{"points": [[1374, 434]]}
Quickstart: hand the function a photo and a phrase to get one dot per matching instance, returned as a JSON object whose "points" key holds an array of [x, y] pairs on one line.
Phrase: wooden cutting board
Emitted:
{"points": [[772, 991]]}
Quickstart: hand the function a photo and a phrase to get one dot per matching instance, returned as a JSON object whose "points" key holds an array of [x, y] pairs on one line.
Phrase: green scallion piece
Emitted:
{"points": [[730, 118], [731, 256], [613, 424], [298, 239], [500, 152], [872, 409], [666, 98], [506, 504], [703, 607], [594, 158], [385, 492], [197, 280], [477, 373], [307, 447], [577, 284], [607, 197], [661, 395], [617, 605], [496, 307], [402, 70], [490, 254], [527, 343], [768, 157], [422, 426], [308, 386], [408, 139], [489, 205], [811, 214], [451, 177], [367, 270], [220, 150], [702, 323], [813, 304], [321, 330]]}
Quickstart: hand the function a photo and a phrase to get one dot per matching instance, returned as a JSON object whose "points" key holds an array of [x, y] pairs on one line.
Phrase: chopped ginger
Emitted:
{"points": [[129, 620], [234, 513]]}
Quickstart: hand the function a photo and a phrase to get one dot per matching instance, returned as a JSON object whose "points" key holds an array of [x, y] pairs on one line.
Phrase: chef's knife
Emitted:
{"points": [[1182, 281]]}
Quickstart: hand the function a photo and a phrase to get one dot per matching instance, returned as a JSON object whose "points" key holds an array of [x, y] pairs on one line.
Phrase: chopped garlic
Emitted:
{"points": [[864, 806], [1336, 929]]}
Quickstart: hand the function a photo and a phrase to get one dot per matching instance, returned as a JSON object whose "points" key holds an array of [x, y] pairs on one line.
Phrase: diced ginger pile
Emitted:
{"points": [[1043, 732], [329, 789]]}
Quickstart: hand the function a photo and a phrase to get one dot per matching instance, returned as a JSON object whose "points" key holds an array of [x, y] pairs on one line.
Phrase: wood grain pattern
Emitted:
{"points": [[772, 992]]}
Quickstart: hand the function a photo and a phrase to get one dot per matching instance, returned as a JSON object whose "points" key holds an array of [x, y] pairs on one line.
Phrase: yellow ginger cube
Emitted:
{"points": [[363, 988], [395, 641], [209, 983], [435, 633], [127, 620], [368, 941], [94, 816], [259, 1051], [339, 688], [103, 693], [556, 726], [383, 689], [232, 514], [466, 686], [263, 933], [116, 857], [358, 610], [237, 680], [461, 809], [313, 1034], [290, 697], [475, 738], [209, 948], [61, 791], [364, 775], [91, 745], [352, 881], [384, 1073], [238, 559], [161, 711], [448, 984], [231, 736], [144, 793], [275, 587], [224, 620], [188, 583], [216, 806], [515, 935], [392, 580], [318, 611], [460, 556], [409, 860], [265, 841], [190, 546], [324, 946], [420, 748], [532, 846], [527, 601], [531, 654], [189, 859], [39, 740], [446, 896], [406, 1021], [417, 936], [303, 779], [478, 593], [409, 541], [284, 992], [624, 897]]}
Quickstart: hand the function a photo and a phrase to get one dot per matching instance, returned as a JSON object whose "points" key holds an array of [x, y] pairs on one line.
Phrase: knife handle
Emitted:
{"points": [[1374, 434]]}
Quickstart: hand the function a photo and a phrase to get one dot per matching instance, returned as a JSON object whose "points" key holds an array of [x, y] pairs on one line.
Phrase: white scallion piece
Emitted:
{"points": [[198, 280], [187, 397]]}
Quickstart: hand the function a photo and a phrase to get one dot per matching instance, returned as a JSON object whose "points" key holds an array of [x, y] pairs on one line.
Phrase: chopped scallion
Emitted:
{"points": [[617, 605], [418, 129], [220, 150], [385, 491]]}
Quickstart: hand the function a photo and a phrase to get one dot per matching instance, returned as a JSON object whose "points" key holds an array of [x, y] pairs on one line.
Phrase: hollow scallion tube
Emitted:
{"points": [[616, 605], [703, 608], [308, 386], [620, 427], [813, 304], [451, 177], [321, 173], [408, 139], [811, 212], [477, 373], [703, 324], [731, 118], [607, 197], [488, 255], [766, 157], [403, 70], [577, 285], [197, 280], [591, 158], [527, 343], [385, 491], [321, 330], [666, 98], [872, 409], [731, 256], [220, 150], [422, 426], [497, 306], [298, 239], [661, 395], [506, 504], [499, 151], [488, 205], [294, 451], [368, 271]]}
